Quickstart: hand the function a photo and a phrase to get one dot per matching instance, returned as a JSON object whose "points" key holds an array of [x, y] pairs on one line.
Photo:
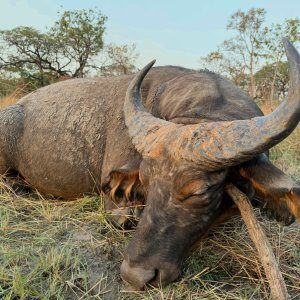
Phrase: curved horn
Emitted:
{"points": [[222, 144], [214, 145], [143, 127], [133, 104]]}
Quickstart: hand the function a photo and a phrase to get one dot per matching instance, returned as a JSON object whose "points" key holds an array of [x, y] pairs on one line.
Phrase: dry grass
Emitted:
{"points": [[56, 250], [13, 97], [67, 250], [286, 155], [8, 100]]}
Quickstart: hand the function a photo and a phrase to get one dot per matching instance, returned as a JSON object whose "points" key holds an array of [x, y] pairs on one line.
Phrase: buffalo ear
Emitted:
{"points": [[293, 199], [123, 185], [279, 194]]}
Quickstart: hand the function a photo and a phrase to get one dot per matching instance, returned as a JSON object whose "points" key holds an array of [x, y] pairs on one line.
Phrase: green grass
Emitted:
{"points": [[56, 250], [67, 250], [286, 155]]}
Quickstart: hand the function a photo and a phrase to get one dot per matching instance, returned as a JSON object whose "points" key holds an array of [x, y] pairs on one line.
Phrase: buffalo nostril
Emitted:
{"points": [[156, 280], [136, 277], [164, 276]]}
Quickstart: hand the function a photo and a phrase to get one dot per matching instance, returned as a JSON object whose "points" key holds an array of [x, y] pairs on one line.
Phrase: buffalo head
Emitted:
{"points": [[183, 171]]}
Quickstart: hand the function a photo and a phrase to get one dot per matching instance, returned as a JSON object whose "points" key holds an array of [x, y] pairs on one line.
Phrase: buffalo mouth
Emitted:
{"points": [[138, 278]]}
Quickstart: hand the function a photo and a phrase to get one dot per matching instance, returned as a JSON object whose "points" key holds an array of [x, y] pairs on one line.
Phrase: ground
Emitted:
{"points": [[67, 250]]}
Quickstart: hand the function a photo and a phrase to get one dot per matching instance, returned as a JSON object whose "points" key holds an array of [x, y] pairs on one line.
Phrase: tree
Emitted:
{"points": [[244, 50], [231, 68], [71, 47], [29, 53], [119, 60], [249, 43], [80, 37], [275, 51], [254, 56], [271, 82]]}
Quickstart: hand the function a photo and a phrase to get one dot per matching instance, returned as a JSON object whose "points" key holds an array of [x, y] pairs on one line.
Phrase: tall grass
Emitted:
{"points": [[13, 96]]}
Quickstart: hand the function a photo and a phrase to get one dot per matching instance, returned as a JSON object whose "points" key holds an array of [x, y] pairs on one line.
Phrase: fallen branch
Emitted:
{"points": [[259, 238]]}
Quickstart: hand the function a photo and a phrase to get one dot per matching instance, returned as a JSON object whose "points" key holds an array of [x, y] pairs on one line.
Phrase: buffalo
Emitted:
{"points": [[168, 142]]}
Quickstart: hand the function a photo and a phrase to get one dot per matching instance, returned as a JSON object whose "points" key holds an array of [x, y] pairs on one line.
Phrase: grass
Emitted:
{"points": [[286, 155], [56, 250], [13, 96], [67, 250]]}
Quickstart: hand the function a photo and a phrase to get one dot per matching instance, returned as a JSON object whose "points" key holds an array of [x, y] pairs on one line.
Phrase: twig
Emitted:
{"points": [[259, 238]]}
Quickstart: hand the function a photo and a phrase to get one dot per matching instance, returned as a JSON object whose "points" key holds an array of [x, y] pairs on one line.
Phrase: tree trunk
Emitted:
{"points": [[272, 92], [252, 80]]}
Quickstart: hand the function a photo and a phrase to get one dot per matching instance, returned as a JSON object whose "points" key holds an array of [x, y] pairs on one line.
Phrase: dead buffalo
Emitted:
{"points": [[174, 143]]}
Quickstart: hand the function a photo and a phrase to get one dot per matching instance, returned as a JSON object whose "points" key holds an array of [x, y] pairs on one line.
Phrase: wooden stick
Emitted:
{"points": [[259, 238]]}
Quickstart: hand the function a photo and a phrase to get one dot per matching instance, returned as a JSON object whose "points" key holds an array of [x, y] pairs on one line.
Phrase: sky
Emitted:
{"points": [[174, 32]]}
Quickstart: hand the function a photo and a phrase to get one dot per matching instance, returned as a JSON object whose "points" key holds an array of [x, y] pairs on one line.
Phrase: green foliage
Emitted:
{"points": [[276, 73], [80, 36], [119, 60], [72, 47], [290, 29], [249, 42], [275, 53], [253, 57], [27, 53], [249, 28]]}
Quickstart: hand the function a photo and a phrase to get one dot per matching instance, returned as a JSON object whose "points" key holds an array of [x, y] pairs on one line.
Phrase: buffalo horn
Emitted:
{"points": [[214, 145], [225, 144]]}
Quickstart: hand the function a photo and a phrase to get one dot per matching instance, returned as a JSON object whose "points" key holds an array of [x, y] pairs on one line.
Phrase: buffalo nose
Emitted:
{"points": [[138, 277]]}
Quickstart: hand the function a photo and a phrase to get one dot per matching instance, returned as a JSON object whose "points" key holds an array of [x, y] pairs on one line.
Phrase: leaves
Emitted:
{"points": [[119, 60], [80, 36], [253, 57], [72, 47]]}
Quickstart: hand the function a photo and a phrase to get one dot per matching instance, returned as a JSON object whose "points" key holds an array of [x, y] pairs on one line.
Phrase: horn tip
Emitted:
{"points": [[291, 53], [146, 69], [150, 64], [286, 43]]}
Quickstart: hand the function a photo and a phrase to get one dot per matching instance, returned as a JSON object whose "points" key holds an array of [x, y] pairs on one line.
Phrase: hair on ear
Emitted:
{"points": [[123, 184]]}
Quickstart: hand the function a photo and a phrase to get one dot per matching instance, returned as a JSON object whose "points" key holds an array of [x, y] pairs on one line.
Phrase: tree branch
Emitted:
{"points": [[259, 238]]}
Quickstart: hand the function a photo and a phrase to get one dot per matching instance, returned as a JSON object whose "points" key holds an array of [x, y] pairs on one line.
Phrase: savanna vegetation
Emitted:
{"points": [[53, 249], [73, 47]]}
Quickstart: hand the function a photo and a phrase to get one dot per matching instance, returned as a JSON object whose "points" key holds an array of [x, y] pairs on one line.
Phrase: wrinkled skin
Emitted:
{"points": [[70, 138], [183, 202]]}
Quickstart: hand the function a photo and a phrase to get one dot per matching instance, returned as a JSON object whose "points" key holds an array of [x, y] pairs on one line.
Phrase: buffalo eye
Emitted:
{"points": [[195, 188]]}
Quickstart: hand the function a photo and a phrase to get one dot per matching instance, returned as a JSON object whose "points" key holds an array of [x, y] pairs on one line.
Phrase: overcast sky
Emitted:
{"points": [[174, 32]]}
